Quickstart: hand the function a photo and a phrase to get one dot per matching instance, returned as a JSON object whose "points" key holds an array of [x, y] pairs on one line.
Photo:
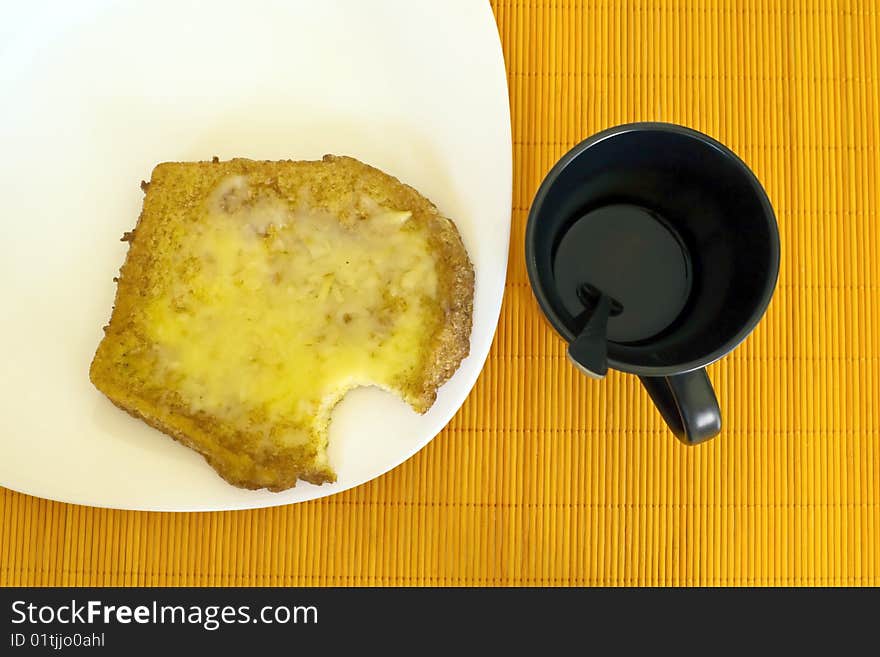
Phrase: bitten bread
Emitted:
{"points": [[256, 294]]}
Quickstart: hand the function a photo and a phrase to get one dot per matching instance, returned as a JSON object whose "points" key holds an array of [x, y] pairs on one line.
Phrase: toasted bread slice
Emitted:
{"points": [[256, 294]]}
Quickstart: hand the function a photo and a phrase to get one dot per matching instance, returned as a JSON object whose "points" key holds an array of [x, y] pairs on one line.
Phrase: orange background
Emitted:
{"points": [[548, 478]]}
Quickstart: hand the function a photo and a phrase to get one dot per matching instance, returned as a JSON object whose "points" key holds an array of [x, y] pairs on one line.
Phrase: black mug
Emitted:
{"points": [[669, 237]]}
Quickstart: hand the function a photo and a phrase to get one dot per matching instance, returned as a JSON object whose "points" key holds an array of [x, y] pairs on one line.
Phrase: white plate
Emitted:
{"points": [[96, 93]]}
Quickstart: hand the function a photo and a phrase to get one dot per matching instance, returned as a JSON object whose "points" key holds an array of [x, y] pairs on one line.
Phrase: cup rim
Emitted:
{"points": [[674, 128]]}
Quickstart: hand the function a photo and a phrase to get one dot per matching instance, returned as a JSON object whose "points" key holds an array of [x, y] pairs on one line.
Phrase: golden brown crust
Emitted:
{"points": [[452, 343], [124, 343]]}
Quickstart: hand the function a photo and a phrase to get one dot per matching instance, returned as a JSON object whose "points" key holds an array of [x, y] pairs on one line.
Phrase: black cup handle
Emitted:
{"points": [[687, 402]]}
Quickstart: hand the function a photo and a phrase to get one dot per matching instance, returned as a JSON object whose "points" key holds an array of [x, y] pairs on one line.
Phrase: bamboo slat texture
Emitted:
{"points": [[547, 478]]}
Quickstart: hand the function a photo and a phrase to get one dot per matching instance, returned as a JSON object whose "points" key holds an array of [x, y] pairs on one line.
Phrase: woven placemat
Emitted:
{"points": [[548, 478]]}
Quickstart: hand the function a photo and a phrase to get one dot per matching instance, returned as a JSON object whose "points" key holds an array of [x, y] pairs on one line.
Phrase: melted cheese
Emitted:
{"points": [[276, 310]]}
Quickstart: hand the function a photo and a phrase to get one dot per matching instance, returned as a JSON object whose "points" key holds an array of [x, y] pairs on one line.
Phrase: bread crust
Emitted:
{"points": [[111, 370]]}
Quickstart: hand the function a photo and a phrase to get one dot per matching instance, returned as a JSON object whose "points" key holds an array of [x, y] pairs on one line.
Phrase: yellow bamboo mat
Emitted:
{"points": [[548, 478]]}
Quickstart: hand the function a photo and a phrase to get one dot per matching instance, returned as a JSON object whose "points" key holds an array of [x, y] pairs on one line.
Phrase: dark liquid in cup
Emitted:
{"points": [[631, 254]]}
